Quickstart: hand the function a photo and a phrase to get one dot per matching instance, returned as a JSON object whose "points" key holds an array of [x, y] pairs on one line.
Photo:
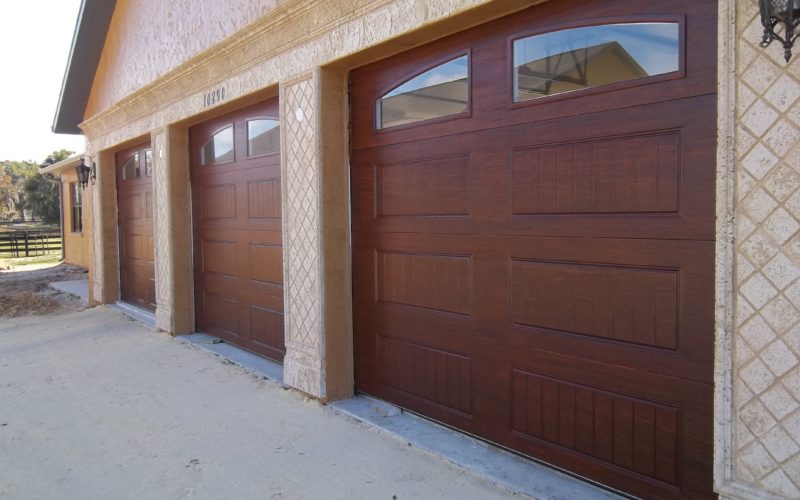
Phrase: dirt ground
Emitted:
{"points": [[95, 405], [25, 290]]}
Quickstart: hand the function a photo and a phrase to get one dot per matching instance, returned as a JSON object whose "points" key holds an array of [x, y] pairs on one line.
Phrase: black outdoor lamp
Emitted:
{"points": [[85, 173], [774, 12]]}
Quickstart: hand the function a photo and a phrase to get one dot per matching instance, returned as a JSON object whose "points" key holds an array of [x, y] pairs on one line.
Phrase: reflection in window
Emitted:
{"points": [[148, 163], [574, 59], [263, 137], [441, 91], [130, 170], [219, 148]]}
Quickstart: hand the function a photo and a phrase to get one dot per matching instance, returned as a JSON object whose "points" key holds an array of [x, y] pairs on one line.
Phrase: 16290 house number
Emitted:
{"points": [[214, 96]]}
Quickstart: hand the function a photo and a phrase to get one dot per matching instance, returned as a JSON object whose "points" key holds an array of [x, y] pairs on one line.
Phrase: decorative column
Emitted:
{"points": [[105, 250], [758, 362], [172, 232], [317, 293]]}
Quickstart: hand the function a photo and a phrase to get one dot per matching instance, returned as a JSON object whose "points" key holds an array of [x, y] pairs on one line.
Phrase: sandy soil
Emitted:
{"points": [[95, 405], [25, 290]]}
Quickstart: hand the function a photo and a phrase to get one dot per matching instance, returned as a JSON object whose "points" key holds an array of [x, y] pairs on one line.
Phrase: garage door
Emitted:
{"points": [[533, 237], [135, 202], [238, 257]]}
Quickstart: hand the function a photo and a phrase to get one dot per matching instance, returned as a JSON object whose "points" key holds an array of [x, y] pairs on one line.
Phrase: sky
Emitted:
{"points": [[35, 38]]}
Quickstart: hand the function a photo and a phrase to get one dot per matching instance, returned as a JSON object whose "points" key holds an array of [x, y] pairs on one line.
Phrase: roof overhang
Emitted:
{"points": [[58, 168], [91, 28]]}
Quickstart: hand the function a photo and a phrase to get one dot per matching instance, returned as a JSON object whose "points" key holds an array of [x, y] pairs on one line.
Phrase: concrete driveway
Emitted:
{"points": [[95, 405]]}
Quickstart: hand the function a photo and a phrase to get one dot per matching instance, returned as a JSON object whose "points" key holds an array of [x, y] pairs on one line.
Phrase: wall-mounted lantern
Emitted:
{"points": [[86, 172], [775, 12]]}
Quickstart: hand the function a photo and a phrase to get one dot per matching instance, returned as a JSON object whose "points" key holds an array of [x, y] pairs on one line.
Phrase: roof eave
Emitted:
{"points": [[91, 27]]}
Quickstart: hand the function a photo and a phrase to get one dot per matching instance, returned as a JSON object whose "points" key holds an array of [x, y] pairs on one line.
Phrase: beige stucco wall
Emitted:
{"points": [[757, 411], [76, 244], [766, 319], [146, 40]]}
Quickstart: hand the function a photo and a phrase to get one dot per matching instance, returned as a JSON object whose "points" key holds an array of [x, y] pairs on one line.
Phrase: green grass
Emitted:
{"points": [[52, 258]]}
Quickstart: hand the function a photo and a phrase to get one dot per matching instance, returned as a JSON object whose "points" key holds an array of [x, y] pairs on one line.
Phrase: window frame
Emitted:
{"points": [[211, 136], [680, 20], [247, 136], [450, 56], [76, 207]]}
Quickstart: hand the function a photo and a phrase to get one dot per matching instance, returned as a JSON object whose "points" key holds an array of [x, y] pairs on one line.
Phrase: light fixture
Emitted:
{"points": [[86, 172], [775, 12]]}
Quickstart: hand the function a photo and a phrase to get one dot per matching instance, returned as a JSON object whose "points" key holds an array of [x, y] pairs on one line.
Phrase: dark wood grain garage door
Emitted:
{"points": [[533, 237], [238, 256], [135, 213]]}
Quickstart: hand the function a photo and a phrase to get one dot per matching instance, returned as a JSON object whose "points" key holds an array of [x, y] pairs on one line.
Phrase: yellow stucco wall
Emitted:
{"points": [[76, 244], [145, 40]]}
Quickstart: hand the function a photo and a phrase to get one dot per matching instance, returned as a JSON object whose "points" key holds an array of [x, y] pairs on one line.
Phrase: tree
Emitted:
{"points": [[23, 187], [13, 175], [41, 191]]}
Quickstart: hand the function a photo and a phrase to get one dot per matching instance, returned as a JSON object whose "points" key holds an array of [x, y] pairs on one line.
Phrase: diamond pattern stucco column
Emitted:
{"points": [[764, 435], [315, 242], [105, 251], [172, 237]]}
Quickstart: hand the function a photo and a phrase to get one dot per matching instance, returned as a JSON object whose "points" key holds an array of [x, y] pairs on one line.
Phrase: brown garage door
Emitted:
{"points": [[135, 202], [238, 257], [533, 237]]}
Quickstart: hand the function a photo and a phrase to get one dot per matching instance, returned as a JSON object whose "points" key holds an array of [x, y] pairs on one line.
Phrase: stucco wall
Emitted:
{"points": [[766, 339], [146, 40], [76, 244]]}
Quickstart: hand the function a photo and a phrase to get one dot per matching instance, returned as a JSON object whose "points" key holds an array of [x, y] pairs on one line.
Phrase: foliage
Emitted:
{"points": [[24, 189]]}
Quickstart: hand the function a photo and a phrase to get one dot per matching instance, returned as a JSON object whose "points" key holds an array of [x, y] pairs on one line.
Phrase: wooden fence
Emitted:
{"points": [[29, 242]]}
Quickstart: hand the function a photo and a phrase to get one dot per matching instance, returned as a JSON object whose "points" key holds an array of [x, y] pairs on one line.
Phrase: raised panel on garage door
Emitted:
{"points": [[538, 270], [135, 213], [238, 256]]}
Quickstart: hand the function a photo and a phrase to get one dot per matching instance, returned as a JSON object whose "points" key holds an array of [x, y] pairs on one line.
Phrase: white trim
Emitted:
{"points": [[59, 167]]}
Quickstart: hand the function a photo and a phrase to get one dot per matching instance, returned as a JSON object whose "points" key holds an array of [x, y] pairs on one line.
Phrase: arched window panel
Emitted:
{"points": [[263, 137], [130, 170], [440, 91], [592, 56], [219, 148]]}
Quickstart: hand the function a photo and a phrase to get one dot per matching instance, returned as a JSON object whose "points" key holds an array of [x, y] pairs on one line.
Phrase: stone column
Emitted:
{"points": [[172, 230], [105, 250], [315, 236], [758, 357]]}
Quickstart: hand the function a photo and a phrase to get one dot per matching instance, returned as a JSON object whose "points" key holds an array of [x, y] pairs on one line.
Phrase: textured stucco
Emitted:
{"points": [[146, 40], [76, 244], [765, 444]]}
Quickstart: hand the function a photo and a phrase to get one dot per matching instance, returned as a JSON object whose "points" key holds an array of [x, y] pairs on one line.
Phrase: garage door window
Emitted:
{"points": [[130, 170], [580, 58], [440, 91], [219, 148], [263, 137]]}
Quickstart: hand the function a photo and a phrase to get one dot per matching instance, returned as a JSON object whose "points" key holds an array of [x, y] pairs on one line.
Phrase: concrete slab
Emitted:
{"points": [[142, 315], [236, 355], [98, 406], [516, 473], [78, 288]]}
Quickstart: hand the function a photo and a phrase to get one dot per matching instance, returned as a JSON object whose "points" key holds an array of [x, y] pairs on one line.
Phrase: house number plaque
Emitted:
{"points": [[214, 96]]}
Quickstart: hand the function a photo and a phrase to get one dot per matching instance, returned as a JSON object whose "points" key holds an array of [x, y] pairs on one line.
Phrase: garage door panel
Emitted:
{"points": [[372, 81], [561, 247], [135, 219], [434, 375], [621, 303], [221, 313], [663, 435], [238, 247]]}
